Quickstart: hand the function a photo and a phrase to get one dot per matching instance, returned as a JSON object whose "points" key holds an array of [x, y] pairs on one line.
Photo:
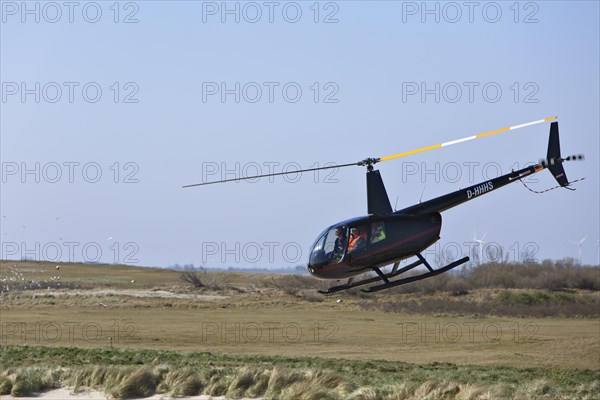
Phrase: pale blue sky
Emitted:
{"points": [[368, 56]]}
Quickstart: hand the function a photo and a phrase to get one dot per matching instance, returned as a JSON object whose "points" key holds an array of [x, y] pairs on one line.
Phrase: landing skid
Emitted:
{"points": [[351, 284], [395, 272], [410, 279]]}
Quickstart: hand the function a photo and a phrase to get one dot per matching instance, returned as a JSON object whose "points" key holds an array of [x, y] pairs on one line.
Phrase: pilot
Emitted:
{"points": [[358, 239], [340, 241]]}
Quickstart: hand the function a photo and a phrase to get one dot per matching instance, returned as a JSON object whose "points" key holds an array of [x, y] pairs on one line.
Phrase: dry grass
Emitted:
{"points": [[416, 324], [378, 381], [31, 275], [408, 327], [522, 303]]}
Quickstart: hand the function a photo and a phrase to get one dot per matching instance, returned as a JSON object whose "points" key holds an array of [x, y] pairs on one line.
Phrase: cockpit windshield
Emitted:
{"points": [[330, 246]]}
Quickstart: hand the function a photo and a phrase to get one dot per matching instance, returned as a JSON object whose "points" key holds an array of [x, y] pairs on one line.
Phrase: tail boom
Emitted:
{"points": [[553, 163], [458, 197]]}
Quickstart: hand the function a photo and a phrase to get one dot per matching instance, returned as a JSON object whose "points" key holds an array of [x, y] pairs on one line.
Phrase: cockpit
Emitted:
{"points": [[338, 241], [330, 247]]}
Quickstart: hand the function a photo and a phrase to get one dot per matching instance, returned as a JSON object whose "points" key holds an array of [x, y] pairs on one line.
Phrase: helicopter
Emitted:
{"points": [[385, 237]]}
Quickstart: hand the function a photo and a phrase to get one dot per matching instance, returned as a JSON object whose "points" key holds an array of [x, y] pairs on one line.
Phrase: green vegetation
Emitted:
{"points": [[495, 331], [498, 302], [137, 373]]}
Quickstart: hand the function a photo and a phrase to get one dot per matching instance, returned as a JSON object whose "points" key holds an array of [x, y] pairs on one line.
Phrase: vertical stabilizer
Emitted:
{"points": [[377, 198], [553, 158]]}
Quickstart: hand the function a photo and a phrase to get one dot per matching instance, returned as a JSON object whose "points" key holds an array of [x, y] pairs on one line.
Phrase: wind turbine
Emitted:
{"points": [[480, 242], [598, 250], [579, 246]]}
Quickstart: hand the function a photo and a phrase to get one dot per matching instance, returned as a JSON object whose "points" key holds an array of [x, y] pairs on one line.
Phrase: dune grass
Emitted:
{"points": [[126, 374]]}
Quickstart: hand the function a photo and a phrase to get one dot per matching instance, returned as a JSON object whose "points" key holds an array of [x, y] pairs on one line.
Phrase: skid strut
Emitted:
{"points": [[351, 284], [415, 278], [385, 278]]}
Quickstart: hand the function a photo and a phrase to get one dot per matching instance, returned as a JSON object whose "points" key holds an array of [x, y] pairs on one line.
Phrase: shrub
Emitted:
{"points": [[5, 386], [201, 278]]}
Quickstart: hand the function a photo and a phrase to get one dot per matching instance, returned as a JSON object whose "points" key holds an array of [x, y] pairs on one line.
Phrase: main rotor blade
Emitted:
{"points": [[450, 143], [370, 161], [274, 174]]}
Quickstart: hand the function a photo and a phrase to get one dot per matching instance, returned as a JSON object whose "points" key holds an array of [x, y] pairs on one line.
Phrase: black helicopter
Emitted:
{"points": [[384, 237]]}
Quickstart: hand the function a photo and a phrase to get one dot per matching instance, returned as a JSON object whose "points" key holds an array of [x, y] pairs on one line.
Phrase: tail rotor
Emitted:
{"points": [[554, 160]]}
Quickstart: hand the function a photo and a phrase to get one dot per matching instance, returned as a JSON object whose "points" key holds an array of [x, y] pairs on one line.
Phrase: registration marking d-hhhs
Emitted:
{"points": [[481, 189]]}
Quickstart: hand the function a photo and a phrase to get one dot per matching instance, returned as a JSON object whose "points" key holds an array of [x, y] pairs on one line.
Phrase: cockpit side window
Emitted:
{"points": [[377, 232]]}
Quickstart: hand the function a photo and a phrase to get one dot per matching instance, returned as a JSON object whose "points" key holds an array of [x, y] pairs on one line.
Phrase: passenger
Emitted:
{"points": [[358, 239], [377, 233]]}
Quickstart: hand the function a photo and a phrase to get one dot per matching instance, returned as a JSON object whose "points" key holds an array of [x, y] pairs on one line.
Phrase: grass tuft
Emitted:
{"points": [[242, 381], [182, 382], [141, 383], [218, 385], [279, 379], [5, 386], [305, 391]]}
